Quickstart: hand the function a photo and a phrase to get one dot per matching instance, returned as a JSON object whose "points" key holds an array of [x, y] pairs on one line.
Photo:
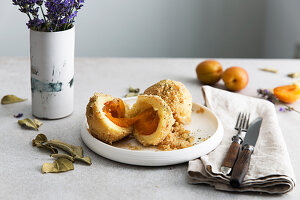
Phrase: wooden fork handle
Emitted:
{"points": [[241, 166], [231, 155]]}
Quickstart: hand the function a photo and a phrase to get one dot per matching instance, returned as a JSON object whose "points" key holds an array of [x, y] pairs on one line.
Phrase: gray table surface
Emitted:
{"points": [[20, 163]]}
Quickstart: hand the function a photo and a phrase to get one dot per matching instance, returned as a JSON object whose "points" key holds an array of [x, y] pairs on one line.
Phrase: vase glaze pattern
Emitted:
{"points": [[52, 73]]}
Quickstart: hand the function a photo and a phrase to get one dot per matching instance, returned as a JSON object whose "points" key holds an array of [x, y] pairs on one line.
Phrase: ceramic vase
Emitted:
{"points": [[52, 73]]}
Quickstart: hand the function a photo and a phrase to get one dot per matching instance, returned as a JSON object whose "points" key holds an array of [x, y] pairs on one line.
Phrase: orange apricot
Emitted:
{"points": [[146, 122], [287, 93]]}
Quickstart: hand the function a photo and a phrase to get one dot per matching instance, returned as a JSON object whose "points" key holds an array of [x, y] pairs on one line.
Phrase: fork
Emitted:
{"points": [[241, 126]]}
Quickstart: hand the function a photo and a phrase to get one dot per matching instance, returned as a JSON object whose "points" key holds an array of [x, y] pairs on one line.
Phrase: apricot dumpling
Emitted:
{"points": [[110, 119], [153, 119], [106, 117], [177, 96]]}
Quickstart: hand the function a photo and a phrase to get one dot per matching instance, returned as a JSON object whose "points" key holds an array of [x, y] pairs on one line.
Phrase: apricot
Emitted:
{"points": [[235, 78], [209, 72], [146, 122], [287, 93], [115, 111]]}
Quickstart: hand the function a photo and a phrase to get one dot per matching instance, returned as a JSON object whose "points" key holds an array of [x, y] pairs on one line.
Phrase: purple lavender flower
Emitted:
{"points": [[18, 115], [35, 24], [39, 2], [268, 95], [59, 15]]}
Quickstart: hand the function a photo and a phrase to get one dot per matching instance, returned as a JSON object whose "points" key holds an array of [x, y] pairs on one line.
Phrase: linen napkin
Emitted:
{"points": [[270, 169]]}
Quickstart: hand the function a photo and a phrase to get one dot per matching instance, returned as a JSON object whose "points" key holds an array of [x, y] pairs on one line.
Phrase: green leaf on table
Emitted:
{"points": [[134, 90], [8, 99], [294, 75], [59, 165], [30, 124]]}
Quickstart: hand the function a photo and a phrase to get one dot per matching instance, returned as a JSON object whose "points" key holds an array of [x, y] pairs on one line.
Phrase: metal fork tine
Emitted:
{"points": [[243, 120], [237, 121], [248, 121]]}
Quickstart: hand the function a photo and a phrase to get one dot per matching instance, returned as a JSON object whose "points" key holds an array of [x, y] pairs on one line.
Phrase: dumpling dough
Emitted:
{"points": [[106, 118], [177, 96], [153, 119]]}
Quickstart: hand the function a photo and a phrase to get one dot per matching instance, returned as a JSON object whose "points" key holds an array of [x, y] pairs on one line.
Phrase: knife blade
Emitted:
{"points": [[242, 164]]}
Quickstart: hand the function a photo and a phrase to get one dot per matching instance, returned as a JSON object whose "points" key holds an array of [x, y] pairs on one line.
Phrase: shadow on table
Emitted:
{"points": [[107, 163]]}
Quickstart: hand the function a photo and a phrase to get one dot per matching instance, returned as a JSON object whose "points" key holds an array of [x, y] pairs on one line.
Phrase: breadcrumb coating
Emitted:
{"points": [[172, 102], [177, 96], [99, 125], [179, 138]]}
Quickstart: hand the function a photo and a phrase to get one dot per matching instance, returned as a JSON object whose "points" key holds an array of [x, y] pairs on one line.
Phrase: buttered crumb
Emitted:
{"points": [[179, 138]]}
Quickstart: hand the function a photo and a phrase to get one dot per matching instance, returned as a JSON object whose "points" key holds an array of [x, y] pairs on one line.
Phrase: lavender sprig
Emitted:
{"points": [[59, 16], [268, 95], [19, 115]]}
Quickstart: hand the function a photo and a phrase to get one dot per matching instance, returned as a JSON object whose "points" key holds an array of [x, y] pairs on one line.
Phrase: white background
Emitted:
{"points": [[171, 28]]}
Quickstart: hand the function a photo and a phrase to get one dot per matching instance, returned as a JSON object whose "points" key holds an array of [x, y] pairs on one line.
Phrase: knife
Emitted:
{"points": [[242, 164]]}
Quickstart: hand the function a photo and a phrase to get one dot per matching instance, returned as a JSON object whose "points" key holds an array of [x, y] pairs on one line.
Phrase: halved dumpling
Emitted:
{"points": [[153, 119], [106, 117]]}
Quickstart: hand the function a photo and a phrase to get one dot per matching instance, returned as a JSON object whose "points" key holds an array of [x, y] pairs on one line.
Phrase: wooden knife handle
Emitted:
{"points": [[231, 155], [241, 166]]}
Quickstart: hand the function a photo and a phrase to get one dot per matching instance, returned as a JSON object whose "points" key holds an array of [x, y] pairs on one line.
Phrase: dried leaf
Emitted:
{"points": [[64, 162], [294, 75], [134, 90], [59, 165], [28, 123], [269, 70], [86, 160], [71, 149], [8, 99], [59, 155], [39, 140], [131, 94], [38, 123], [51, 148]]}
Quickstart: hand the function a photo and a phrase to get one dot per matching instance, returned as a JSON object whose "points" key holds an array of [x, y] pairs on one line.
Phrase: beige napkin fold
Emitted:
{"points": [[270, 168]]}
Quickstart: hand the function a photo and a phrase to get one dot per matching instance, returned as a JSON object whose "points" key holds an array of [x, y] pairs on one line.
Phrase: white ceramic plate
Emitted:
{"points": [[205, 127]]}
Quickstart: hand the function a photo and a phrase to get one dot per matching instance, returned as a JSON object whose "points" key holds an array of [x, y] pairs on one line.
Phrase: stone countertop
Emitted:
{"points": [[20, 163]]}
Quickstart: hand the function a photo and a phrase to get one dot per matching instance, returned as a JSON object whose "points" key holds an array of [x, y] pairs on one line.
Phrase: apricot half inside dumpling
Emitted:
{"points": [[153, 119], [106, 118]]}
